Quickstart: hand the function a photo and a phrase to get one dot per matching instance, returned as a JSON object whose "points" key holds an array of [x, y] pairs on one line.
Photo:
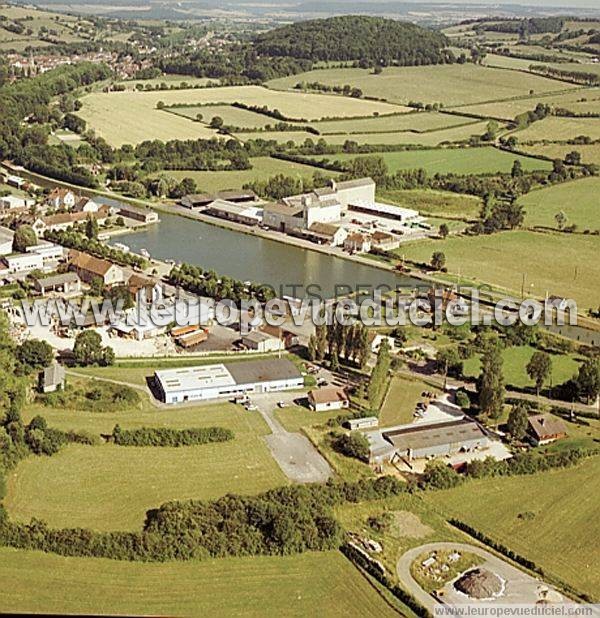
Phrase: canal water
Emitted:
{"points": [[252, 258]]}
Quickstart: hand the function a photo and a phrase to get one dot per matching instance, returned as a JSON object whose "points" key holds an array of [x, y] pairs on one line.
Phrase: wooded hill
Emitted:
{"points": [[374, 40]]}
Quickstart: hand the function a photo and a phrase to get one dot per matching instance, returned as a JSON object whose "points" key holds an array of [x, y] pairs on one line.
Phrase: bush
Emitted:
{"points": [[354, 445], [163, 436], [462, 400]]}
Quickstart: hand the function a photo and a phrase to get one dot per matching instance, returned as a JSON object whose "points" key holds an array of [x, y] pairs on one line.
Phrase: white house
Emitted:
{"points": [[86, 204], [226, 380], [60, 197], [357, 243], [23, 262], [328, 398], [49, 251]]}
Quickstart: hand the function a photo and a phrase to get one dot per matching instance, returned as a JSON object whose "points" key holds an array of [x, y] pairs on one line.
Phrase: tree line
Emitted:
{"points": [[165, 436]]}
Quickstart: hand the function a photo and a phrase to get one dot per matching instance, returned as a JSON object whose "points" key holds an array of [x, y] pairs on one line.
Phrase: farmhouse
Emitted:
{"points": [[545, 428], [85, 204], [61, 198], [328, 398], [89, 267], [143, 215], [227, 379], [420, 440]]}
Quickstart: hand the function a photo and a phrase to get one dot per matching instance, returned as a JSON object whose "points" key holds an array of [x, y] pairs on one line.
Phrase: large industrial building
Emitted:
{"points": [[422, 440], [226, 380]]}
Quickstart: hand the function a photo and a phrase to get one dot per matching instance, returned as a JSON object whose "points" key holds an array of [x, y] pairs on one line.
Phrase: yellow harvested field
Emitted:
{"points": [[131, 117]]}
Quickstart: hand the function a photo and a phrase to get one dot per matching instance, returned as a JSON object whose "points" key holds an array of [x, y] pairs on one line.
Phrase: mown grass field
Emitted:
{"points": [[560, 264], [401, 401], [577, 199], [131, 117], [590, 153], [452, 84], [415, 121], [436, 203], [326, 584], [558, 129], [453, 160], [558, 528], [263, 168], [110, 487], [515, 363], [232, 116], [430, 138]]}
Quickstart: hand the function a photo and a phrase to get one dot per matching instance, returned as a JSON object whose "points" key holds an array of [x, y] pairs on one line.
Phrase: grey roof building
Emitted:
{"points": [[52, 378]]}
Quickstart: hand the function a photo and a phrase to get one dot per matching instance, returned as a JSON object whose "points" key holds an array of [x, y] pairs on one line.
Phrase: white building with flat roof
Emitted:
{"points": [[225, 380], [387, 211]]}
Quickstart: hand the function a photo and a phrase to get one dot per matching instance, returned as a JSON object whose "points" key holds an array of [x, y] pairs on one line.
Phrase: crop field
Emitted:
{"points": [[515, 362], [577, 199], [263, 168], [232, 116], [415, 121], [110, 487], [550, 517], [452, 85], [429, 138], [590, 153], [561, 264], [131, 117], [559, 129], [325, 583], [436, 203], [453, 160]]}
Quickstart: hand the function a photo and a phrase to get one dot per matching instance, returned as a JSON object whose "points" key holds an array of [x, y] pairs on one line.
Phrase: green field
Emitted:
{"points": [[437, 203], [558, 129], [451, 84], [430, 138], [263, 168], [232, 116], [577, 199], [401, 400], [415, 121], [326, 584], [110, 487], [515, 363], [561, 529], [131, 117], [453, 160], [560, 264], [590, 153]]}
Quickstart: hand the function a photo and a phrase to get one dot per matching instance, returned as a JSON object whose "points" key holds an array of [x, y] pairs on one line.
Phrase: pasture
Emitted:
{"points": [[435, 203], [560, 264], [111, 487], [415, 121], [401, 400], [590, 153], [577, 199], [559, 129], [515, 363], [131, 117], [232, 116], [325, 583], [262, 169], [451, 84], [550, 518], [453, 160]]}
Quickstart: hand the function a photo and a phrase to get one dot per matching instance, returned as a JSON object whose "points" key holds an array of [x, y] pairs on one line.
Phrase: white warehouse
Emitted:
{"points": [[226, 380]]}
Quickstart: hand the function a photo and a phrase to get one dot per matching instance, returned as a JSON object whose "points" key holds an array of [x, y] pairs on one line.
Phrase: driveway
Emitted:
{"points": [[300, 461], [520, 588]]}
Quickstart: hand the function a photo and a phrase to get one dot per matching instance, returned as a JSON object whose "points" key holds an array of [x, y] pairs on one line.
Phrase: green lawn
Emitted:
{"points": [[559, 526], [326, 584], [262, 169], [430, 202], [450, 84], [453, 160], [109, 487], [295, 418], [401, 401], [515, 362], [578, 200], [560, 264]]}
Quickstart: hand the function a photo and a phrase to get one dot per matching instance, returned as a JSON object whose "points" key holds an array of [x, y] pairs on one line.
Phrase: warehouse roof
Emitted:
{"points": [[417, 436], [263, 370]]}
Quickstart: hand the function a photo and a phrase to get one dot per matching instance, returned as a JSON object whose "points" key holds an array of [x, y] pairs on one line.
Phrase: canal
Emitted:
{"points": [[252, 258]]}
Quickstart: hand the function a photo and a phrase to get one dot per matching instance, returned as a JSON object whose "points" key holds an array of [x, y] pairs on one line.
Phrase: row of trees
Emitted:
{"points": [[340, 341], [166, 436]]}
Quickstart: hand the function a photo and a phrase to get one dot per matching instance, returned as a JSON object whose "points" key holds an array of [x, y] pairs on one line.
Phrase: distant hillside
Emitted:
{"points": [[353, 37]]}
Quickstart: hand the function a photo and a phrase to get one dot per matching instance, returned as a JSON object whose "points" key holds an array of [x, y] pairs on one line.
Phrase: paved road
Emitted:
{"points": [[300, 461], [520, 587]]}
